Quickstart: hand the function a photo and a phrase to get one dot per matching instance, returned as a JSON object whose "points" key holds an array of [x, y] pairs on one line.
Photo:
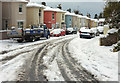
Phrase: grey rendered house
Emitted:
{"points": [[13, 15], [68, 19]]}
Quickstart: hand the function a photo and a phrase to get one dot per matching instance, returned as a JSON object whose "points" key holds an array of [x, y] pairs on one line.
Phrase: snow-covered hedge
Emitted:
{"points": [[113, 30], [109, 39], [117, 47]]}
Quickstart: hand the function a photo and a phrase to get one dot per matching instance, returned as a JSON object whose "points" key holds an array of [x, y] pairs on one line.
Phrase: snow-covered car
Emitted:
{"points": [[58, 32], [63, 32], [55, 32], [100, 29], [86, 33], [95, 31], [69, 30]]}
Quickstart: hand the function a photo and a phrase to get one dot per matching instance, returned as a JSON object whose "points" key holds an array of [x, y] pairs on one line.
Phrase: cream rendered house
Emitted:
{"points": [[74, 20], [14, 13], [0, 15], [92, 23], [79, 21], [35, 14], [87, 23], [60, 18]]}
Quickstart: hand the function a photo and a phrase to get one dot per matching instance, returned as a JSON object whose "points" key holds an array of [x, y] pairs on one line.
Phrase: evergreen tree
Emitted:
{"points": [[112, 13], [101, 15]]}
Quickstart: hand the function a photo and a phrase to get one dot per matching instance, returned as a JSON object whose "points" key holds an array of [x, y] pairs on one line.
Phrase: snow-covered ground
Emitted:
{"points": [[99, 60], [9, 69], [10, 44]]}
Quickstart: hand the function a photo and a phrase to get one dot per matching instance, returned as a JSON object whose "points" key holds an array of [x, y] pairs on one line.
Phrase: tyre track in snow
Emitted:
{"points": [[79, 74], [35, 70], [20, 50], [70, 70]]}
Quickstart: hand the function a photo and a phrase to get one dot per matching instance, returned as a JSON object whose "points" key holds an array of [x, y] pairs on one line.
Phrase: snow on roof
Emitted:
{"points": [[48, 9], [79, 16], [101, 19], [95, 20], [68, 13], [35, 5], [73, 14], [53, 9], [14, 1], [59, 10]]}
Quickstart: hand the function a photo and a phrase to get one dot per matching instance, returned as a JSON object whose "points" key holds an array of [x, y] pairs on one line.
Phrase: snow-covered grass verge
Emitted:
{"points": [[9, 44], [99, 60], [10, 70]]}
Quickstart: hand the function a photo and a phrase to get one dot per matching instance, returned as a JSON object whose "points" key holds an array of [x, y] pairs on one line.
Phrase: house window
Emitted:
{"points": [[53, 16], [62, 16], [20, 8], [20, 24], [40, 12]]}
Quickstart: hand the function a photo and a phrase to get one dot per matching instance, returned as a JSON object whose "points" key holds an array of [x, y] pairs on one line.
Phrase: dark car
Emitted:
{"points": [[74, 30]]}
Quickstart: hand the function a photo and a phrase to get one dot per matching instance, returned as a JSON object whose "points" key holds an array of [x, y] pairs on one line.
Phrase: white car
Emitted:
{"points": [[69, 30], [95, 31], [100, 29], [86, 33]]}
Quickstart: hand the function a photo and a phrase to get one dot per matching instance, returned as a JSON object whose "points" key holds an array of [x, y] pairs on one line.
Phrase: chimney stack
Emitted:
{"points": [[44, 3]]}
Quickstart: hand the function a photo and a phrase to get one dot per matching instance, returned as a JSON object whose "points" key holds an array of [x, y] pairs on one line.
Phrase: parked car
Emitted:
{"points": [[63, 32], [100, 29], [95, 31], [74, 30], [86, 33], [69, 30], [55, 32]]}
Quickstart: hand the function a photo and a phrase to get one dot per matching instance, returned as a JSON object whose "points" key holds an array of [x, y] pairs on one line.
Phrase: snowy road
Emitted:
{"points": [[39, 57], [69, 69], [64, 58]]}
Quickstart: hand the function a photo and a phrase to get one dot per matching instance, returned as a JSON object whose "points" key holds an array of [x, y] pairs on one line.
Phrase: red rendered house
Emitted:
{"points": [[50, 19]]}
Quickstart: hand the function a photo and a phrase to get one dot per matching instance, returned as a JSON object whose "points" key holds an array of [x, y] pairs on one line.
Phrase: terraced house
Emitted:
{"points": [[35, 14], [0, 15], [50, 17], [60, 18], [13, 15], [68, 19], [1, 20], [74, 20], [79, 21]]}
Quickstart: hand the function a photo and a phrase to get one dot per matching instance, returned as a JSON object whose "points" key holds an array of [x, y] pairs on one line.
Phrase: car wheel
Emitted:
{"points": [[20, 41]]}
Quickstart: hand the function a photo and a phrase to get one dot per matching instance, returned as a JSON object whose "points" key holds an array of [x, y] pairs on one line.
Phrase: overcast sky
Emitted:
{"points": [[67, 0]]}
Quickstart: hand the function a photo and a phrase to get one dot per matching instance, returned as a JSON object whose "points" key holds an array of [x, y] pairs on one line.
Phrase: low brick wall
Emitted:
{"points": [[109, 40], [3, 35]]}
